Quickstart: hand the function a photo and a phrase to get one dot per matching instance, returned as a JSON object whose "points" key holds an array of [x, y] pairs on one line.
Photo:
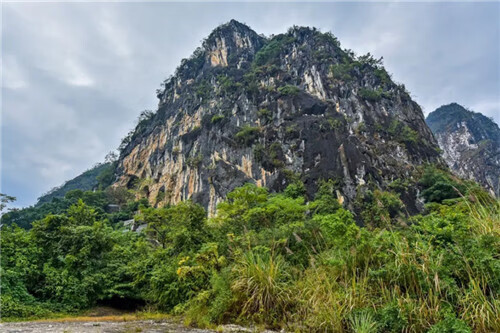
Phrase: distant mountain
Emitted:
{"points": [[270, 111], [470, 143], [88, 180]]}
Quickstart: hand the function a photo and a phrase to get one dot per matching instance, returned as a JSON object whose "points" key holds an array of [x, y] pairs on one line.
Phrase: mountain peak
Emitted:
{"points": [[450, 116], [470, 143], [245, 108], [232, 41]]}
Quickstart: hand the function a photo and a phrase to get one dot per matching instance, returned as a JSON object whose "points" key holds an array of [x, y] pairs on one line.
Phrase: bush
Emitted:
{"points": [[403, 133], [247, 135], [217, 118], [271, 51], [288, 90], [450, 325], [371, 94], [203, 91], [265, 114], [343, 71], [439, 186], [380, 208], [194, 161]]}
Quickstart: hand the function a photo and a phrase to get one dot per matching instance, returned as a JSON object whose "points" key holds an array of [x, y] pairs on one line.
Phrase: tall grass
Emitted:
{"points": [[260, 287]]}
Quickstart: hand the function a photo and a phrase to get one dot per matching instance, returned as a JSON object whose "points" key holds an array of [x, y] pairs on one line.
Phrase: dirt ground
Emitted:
{"points": [[110, 320], [97, 326]]}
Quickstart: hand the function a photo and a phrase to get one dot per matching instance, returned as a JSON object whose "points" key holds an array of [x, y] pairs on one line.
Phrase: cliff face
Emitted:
{"points": [[245, 108], [470, 143]]}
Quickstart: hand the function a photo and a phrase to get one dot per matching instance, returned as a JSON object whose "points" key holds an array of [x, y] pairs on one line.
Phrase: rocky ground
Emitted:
{"points": [[105, 319], [150, 326], [97, 327]]}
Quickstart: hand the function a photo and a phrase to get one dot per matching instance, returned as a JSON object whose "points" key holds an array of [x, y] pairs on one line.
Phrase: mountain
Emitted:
{"points": [[87, 181], [470, 143], [272, 111]]}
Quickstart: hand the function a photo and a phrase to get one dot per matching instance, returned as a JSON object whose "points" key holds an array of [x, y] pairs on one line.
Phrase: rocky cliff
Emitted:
{"points": [[246, 108], [470, 143]]}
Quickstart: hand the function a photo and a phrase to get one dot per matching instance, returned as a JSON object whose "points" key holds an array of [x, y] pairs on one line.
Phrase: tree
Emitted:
{"points": [[4, 200], [179, 229]]}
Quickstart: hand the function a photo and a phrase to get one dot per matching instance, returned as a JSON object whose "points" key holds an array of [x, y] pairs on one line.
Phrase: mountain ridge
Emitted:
{"points": [[470, 143]]}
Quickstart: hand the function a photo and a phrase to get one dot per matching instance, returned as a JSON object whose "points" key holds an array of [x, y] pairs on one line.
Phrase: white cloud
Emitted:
{"points": [[13, 76], [75, 74]]}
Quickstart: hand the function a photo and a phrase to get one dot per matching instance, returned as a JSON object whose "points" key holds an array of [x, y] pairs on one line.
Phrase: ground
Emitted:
{"points": [[150, 326], [110, 320]]}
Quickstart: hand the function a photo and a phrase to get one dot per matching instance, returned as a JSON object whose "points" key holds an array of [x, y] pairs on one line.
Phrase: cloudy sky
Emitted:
{"points": [[75, 76]]}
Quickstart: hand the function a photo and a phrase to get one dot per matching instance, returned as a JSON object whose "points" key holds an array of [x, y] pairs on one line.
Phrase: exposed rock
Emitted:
{"points": [[245, 108], [470, 143]]}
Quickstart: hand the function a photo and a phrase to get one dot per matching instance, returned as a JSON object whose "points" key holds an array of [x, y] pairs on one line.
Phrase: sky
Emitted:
{"points": [[75, 76]]}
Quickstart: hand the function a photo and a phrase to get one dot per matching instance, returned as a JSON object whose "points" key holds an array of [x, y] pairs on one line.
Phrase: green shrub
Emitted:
{"points": [[288, 90], [402, 132], [380, 208], [227, 84], [439, 186], [259, 152], [334, 123], [450, 325], [194, 161], [271, 51], [342, 71], [371, 94], [295, 190], [203, 90], [247, 135], [217, 118], [265, 114]]}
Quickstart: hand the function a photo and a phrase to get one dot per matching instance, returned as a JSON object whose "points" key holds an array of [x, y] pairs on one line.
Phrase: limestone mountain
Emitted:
{"points": [[470, 143], [295, 106]]}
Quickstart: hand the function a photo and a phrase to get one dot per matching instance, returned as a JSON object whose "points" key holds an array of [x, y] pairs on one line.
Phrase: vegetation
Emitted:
{"points": [[343, 71], [271, 51], [402, 132], [247, 135], [227, 85], [265, 114], [288, 90], [217, 118], [194, 161], [272, 260], [372, 95], [203, 91], [98, 200]]}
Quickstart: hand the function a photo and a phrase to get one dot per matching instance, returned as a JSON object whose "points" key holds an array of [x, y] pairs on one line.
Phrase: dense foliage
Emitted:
{"points": [[273, 260], [100, 201]]}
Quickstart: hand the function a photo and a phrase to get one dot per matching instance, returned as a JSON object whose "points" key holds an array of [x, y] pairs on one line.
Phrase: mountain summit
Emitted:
{"points": [[275, 111], [470, 144]]}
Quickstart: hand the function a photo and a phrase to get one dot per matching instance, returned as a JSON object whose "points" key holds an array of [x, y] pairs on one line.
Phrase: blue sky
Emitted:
{"points": [[75, 76]]}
